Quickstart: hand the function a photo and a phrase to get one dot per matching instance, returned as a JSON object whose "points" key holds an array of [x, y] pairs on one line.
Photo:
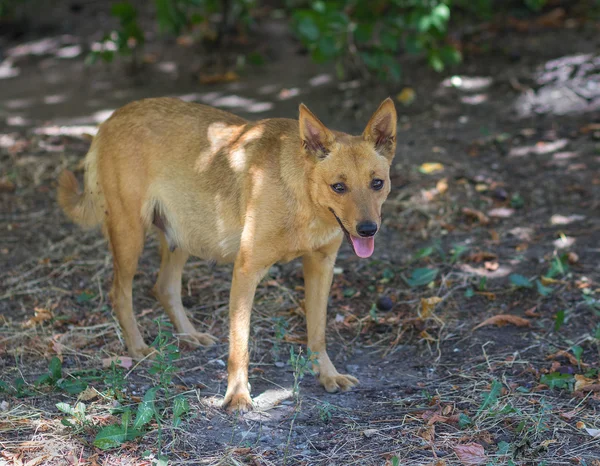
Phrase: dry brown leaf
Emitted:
{"points": [[36, 461], [41, 315], [470, 454], [428, 434], [590, 128], [586, 384], [488, 294], [88, 394], [504, 319], [442, 185], [427, 306], [565, 354], [476, 214], [228, 77], [569, 415], [531, 312], [482, 256], [123, 361], [491, 265]]}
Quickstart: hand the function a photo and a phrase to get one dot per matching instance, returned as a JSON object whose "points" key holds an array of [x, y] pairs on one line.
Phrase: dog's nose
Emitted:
{"points": [[366, 229]]}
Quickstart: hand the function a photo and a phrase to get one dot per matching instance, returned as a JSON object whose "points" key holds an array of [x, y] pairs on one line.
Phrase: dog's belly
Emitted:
{"points": [[221, 248]]}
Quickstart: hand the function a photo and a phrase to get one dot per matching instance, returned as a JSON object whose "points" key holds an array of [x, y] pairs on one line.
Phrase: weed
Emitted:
{"points": [[326, 411], [78, 420]]}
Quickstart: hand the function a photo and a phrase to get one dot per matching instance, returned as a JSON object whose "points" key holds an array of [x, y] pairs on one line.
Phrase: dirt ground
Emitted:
{"points": [[496, 174]]}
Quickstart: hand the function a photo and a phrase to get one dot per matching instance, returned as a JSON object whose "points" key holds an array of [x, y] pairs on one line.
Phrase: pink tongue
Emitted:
{"points": [[363, 247]]}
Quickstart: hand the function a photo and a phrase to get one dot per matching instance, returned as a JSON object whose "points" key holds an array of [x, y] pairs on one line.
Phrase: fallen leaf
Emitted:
{"points": [[476, 214], [431, 167], [406, 96], [228, 77], [593, 432], [590, 128], [491, 265], [369, 432], [503, 319], [565, 354], [36, 461], [88, 394], [427, 306], [428, 434], [41, 315], [569, 415], [531, 312], [7, 186], [123, 361], [501, 212], [442, 185], [482, 257], [470, 454]]}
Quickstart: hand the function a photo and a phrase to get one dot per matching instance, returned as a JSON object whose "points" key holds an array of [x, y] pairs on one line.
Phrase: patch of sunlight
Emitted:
{"points": [[474, 99], [15, 104], [565, 219], [17, 120], [286, 94], [468, 83], [36, 47], [75, 131], [540, 148], [55, 99], [236, 101], [7, 140], [102, 115], [501, 271], [69, 51], [169, 67], [268, 89], [7, 70], [320, 80], [564, 242]]}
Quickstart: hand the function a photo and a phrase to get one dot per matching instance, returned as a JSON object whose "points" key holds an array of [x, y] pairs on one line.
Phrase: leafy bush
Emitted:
{"points": [[369, 35]]}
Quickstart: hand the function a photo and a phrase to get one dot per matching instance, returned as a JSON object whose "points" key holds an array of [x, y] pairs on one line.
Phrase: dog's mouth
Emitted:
{"points": [[362, 247]]}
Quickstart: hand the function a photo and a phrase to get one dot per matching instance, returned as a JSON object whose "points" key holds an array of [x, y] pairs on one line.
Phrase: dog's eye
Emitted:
{"points": [[376, 184], [339, 188]]}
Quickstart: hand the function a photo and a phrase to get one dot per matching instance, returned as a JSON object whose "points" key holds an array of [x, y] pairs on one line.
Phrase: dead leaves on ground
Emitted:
{"points": [[470, 454], [504, 319]]}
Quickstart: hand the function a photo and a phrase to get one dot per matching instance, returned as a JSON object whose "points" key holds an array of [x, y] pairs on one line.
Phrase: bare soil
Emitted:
{"points": [[517, 137]]}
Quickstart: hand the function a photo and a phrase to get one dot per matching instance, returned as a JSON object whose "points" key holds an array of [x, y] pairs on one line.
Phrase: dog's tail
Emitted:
{"points": [[81, 207]]}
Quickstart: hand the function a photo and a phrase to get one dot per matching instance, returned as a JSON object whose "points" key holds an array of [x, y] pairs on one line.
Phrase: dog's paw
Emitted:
{"points": [[141, 352], [195, 339], [333, 383], [237, 402]]}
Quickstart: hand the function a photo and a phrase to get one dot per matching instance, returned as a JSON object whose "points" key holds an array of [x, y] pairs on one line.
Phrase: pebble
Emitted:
{"points": [[384, 303]]}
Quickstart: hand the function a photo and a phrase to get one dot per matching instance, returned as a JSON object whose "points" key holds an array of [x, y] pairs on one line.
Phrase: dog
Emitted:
{"points": [[219, 187]]}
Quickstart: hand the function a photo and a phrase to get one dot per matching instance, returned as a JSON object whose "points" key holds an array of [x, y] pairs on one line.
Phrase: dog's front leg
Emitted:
{"points": [[318, 274], [243, 288]]}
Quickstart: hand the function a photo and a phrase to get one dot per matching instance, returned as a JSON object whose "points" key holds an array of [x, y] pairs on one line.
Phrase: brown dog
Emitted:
{"points": [[219, 187]]}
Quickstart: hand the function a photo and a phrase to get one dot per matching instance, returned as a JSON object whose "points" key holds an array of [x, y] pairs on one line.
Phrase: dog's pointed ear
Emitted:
{"points": [[316, 138], [381, 129]]}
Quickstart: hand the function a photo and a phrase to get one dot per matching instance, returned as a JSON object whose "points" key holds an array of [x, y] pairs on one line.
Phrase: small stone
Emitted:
{"points": [[500, 194], [279, 364], [384, 303]]}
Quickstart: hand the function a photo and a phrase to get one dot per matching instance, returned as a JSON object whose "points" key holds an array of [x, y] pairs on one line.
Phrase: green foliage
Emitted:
{"points": [[491, 398], [520, 281], [369, 35], [558, 380], [301, 365], [422, 276]]}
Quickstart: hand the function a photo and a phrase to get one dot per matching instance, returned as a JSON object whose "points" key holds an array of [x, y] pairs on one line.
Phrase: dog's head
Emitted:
{"points": [[351, 174]]}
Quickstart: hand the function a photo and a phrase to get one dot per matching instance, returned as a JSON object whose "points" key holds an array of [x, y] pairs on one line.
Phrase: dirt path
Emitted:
{"points": [[516, 190]]}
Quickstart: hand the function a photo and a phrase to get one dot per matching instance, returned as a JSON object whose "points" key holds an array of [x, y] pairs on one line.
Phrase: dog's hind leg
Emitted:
{"points": [[168, 291], [126, 240]]}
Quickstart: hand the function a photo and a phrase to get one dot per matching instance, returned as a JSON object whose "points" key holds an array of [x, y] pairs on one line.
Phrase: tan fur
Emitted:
{"points": [[222, 188]]}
